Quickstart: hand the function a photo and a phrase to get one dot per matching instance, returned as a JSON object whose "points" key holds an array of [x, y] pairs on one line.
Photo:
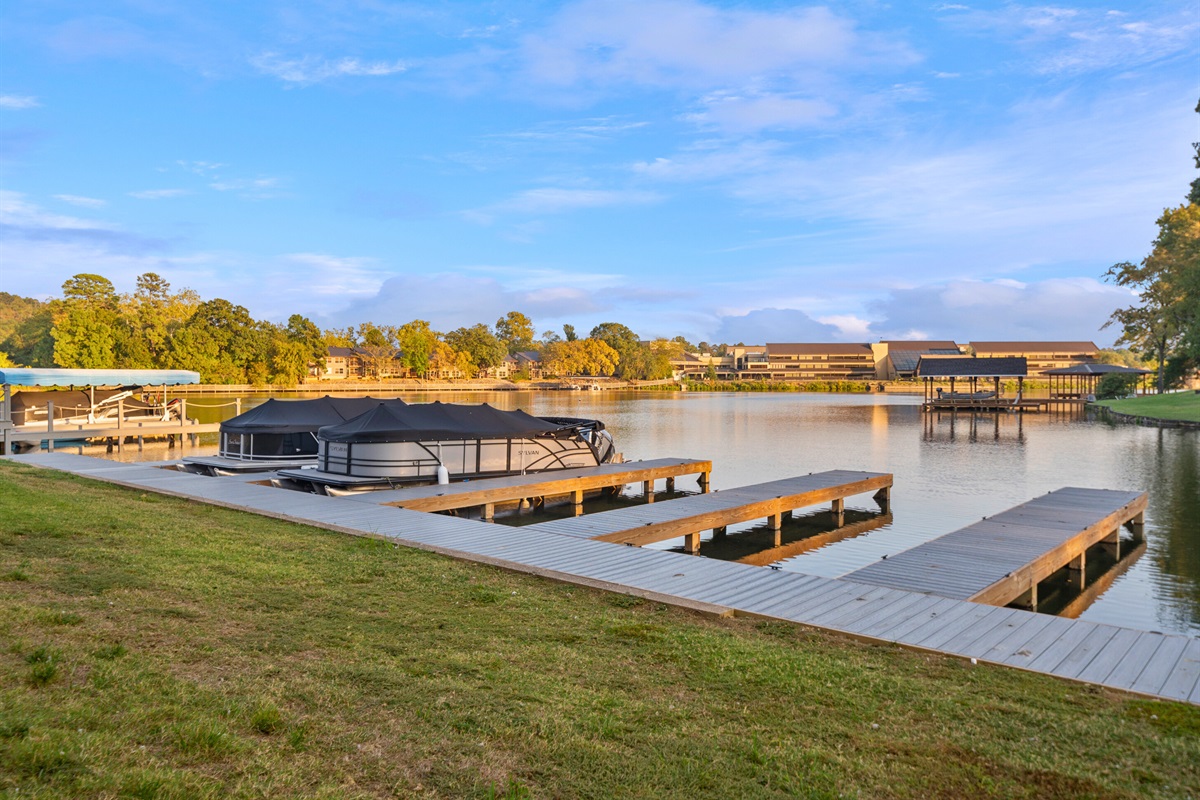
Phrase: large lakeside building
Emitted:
{"points": [[877, 361]]}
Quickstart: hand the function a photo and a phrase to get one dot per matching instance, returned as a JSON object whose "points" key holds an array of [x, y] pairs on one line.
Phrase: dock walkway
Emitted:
{"points": [[487, 493], [1149, 663], [1002, 558], [689, 516]]}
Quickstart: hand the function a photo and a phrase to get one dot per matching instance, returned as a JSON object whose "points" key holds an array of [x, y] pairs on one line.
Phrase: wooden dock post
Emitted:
{"points": [[691, 542], [884, 499], [578, 497], [1077, 571], [839, 511], [1137, 526], [1029, 599], [671, 485], [648, 490], [488, 512], [1112, 543], [720, 532], [704, 479]]}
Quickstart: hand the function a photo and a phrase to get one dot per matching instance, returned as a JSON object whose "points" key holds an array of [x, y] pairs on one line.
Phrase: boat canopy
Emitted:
{"points": [[299, 416], [97, 377], [433, 421]]}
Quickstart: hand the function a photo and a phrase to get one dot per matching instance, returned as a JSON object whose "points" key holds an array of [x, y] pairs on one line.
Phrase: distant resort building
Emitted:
{"points": [[1041, 356], [888, 360]]}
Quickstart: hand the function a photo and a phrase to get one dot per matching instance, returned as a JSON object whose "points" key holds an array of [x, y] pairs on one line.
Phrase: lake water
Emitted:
{"points": [[950, 470]]}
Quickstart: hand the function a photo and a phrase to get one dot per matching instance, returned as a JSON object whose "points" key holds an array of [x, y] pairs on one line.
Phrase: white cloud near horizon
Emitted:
{"points": [[1056, 309]]}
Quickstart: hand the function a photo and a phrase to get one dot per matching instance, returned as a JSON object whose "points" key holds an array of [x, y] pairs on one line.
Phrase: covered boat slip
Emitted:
{"points": [[91, 412], [1145, 662], [966, 376], [1002, 558]]}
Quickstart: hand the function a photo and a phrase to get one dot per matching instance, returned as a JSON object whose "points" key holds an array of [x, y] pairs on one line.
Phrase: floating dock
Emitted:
{"points": [[487, 493], [689, 516], [1002, 559], [1145, 662]]}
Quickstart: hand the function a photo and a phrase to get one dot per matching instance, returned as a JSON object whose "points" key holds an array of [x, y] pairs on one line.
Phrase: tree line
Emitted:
{"points": [[92, 326]]}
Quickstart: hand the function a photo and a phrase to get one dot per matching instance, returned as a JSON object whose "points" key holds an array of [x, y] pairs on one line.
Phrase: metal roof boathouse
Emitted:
{"points": [[968, 373]]}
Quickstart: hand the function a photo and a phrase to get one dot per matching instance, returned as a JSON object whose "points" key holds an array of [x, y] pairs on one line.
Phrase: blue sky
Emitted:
{"points": [[731, 172]]}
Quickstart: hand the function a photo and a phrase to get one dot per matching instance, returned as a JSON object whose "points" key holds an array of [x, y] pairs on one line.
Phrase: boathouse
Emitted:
{"points": [[975, 383], [1079, 382]]}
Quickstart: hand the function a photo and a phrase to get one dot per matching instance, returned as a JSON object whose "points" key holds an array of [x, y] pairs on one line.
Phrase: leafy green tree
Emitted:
{"points": [[579, 357], [14, 310], [223, 343], [1168, 287], [478, 341], [515, 331], [289, 360], [1194, 194], [1115, 384], [569, 333], [378, 347], [417, 341], [303, 332], [31, 341], [90, 288]]}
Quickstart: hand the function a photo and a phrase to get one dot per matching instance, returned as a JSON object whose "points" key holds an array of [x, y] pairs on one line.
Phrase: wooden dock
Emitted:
{"points": [[117, 433], [1145, 662], [689, 516], [1001, 559], [486, 494]]}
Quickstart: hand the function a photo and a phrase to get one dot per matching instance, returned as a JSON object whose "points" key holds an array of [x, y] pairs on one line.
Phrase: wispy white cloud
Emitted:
{"points": [[15, 102], [738, 112], [203, 168], [314, 69], [553, 200], [337, 276], [79, 200], [691, 44], [158, 194], [18, 212], [1059, 40]]}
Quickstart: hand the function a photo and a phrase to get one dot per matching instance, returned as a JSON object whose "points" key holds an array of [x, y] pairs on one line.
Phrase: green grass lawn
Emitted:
{"points": [[156, 648], [1177, 406]]}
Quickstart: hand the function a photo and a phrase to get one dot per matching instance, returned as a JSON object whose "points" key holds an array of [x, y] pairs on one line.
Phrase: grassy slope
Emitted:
{"points": [[1177, 405], [152, 647]]}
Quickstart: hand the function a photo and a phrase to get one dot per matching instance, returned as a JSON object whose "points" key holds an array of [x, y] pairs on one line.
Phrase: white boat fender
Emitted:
{"points": [[443, 475]]}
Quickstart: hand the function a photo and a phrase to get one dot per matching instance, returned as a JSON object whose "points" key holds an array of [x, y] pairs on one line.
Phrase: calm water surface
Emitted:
{"points": [[949, 471]]}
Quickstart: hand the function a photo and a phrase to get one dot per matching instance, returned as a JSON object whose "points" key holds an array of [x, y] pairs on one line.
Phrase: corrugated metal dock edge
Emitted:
{"points": [[1144, 663]]}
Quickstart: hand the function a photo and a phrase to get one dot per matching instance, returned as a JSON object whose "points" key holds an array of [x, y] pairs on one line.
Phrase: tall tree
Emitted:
{"points": [[480, 343], [1168, 286], [515, 331], [417, 341], [85, 323], [304, 333], [378, 347], [569, 333]]}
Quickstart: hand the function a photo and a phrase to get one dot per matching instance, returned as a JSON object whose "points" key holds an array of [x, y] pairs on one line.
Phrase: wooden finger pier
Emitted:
{"points": [[1159, 665], [568, 483], [1002, 559], [690, 516]]}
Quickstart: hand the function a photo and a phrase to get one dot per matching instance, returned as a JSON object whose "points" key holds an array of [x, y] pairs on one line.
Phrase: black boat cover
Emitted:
{"points": [[300, 416], [432, 421]]}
